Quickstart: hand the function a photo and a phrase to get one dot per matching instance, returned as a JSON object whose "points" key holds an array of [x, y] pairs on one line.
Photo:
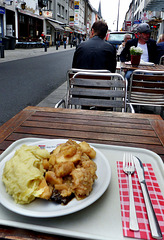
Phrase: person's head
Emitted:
{"points": [[127, 37], [161, 38], [144, 32], [99, 28]]}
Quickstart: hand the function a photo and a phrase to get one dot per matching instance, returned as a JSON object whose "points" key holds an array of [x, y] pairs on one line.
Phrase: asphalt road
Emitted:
{"points": [[28, 81]]}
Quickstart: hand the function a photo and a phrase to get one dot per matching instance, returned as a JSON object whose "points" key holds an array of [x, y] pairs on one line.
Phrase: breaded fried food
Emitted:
{"points": [[73, 163], [69, 151]]}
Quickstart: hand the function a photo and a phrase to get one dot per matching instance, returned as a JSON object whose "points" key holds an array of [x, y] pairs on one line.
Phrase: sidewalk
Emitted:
{"points": [[11, 55]]}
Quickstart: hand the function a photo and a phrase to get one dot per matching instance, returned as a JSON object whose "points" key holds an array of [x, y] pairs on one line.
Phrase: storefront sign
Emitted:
{"points": [[76, 5], [47, 13], [128, 23], [76, 13], [71, 20], [2, 10]]}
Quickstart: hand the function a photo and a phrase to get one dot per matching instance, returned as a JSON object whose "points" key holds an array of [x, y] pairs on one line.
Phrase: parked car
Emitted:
{"points": [[116, 38]]}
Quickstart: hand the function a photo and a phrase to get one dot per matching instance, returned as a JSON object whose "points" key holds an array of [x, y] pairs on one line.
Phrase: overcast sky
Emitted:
{"points": [[109, 11]]}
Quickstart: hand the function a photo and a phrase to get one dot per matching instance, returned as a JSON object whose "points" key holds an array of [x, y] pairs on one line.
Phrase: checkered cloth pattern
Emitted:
{"points": [[156, 198]]}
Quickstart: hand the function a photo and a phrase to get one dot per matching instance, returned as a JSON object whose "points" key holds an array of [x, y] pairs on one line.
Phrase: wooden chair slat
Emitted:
{"points": [[96, 82], [96, 102], [147, 88], [96, 92]]}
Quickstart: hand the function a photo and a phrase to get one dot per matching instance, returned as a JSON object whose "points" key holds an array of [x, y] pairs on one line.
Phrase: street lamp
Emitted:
{"points": [[118, 13]]}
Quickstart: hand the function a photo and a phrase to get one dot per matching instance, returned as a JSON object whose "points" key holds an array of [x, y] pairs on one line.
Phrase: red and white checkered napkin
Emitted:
{"points": [[156, 198]]}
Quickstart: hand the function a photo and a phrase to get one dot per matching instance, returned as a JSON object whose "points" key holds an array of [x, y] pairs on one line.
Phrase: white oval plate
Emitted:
{"points": [[42, 208]]}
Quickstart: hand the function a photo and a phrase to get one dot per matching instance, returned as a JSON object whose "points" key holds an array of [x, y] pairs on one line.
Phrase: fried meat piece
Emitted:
{"points": [[63, 169], [88, 150], [83, 179]]}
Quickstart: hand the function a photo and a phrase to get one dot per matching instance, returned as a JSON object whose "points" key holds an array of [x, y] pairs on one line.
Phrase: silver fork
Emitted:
{"points": [[129, 169]]}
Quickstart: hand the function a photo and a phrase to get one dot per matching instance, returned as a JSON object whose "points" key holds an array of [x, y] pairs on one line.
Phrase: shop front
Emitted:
{"points": [[54, 29], [30, 26]]}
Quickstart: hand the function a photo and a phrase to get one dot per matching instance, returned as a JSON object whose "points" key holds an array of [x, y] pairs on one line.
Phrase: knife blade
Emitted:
{"points": [[153, 222]]}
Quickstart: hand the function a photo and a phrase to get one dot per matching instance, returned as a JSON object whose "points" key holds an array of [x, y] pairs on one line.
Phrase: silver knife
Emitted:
{"points": [[153, 222]]}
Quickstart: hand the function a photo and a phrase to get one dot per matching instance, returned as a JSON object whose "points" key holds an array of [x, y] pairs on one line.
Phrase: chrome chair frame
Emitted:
{"points": [[146, 88], [95, 89]]}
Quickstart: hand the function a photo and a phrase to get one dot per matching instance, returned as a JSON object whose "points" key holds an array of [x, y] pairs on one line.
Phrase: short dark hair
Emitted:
{"points": [[100, 28]]}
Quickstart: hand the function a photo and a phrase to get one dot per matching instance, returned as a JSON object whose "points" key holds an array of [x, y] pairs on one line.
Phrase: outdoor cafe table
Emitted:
{"points": [[111, 128], [123, 66]]}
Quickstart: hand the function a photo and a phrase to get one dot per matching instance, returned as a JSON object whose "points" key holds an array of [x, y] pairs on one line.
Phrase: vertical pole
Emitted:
{"points": [[118, 13]]}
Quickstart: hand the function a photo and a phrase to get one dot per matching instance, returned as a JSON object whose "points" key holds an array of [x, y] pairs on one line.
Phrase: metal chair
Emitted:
{"points": [[100, 91], [69, 75], [161, 61], [146, 88]]}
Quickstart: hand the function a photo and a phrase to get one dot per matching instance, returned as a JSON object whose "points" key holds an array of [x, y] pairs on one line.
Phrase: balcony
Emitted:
{"points": [[154, 5]]}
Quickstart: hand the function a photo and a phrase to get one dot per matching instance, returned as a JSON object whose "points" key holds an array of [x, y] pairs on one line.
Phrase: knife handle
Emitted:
{"points": [[153, 222]]}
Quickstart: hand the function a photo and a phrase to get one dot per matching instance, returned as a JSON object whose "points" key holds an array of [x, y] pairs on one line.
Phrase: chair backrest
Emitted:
{"points": [[100, 90], [72, 71], [161, 61], [146, 88]]}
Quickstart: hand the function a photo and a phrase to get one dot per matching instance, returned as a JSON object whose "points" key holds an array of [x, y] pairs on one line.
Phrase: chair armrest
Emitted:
{"points": [[129, 105], [60, 102]]}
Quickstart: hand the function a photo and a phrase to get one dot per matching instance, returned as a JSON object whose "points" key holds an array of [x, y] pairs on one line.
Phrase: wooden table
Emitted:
{"points": [[123, 66], [113, 128]]}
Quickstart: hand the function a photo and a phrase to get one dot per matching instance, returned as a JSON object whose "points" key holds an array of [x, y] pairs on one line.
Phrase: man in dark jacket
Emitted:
{"points": [[143, 41], [96, 53]]}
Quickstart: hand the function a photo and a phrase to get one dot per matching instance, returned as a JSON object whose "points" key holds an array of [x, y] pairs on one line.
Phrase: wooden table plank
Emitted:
{"points": [[91, 127], [64, 111], [158, 126], [7, 128]]}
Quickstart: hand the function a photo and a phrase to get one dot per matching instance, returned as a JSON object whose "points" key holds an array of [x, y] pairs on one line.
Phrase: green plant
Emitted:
{"points": [[136, 50]]}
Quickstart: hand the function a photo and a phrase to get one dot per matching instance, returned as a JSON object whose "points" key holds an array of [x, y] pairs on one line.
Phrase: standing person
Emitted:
{"points": [[127, 37], [58, 39], [64, 40], [143, 41], [95, 53], [160, 47]]}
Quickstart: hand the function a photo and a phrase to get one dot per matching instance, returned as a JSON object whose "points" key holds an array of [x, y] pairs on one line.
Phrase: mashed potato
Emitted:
{"points": [[23, 173]]}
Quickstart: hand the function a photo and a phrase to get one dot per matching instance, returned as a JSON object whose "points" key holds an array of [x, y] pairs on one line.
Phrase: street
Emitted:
{"points": [[28, 81]]}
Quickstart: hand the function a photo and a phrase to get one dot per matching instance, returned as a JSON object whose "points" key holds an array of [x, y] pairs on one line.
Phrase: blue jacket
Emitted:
{"points": [[160, 50], [152, 50], [95, 53]]}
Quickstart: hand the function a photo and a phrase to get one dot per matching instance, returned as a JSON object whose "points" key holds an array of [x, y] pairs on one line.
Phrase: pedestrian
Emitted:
{"points": [[58, 40], [143, 41], [74, 40], [160, 47], [64, 40], [127, 37], [96, 53]]}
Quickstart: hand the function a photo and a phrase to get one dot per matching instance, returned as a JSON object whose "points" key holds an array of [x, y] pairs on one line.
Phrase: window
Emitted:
{"points": [[49, 7], [30, 21], [62, 12], [66, 14], [21, 18], [59, 9]]}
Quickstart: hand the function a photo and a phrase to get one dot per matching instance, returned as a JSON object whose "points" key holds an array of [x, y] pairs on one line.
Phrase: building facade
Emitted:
{"points": [[28, 20], [149, 11]]}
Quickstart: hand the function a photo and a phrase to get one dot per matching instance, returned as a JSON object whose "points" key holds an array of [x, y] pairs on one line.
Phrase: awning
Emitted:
{"points": [[56, 25], [68, 29], [30, 14], [154, 5]]}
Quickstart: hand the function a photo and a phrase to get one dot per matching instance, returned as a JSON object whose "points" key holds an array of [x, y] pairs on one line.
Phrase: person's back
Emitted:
{"points": [[160, 47], [95, 53]]}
